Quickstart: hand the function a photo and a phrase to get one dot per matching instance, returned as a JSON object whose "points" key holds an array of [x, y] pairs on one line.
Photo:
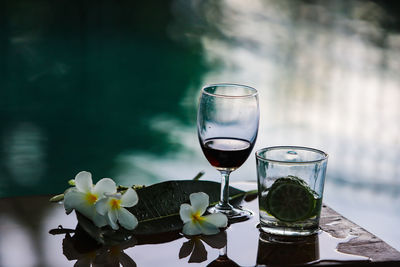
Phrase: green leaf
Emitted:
{"points": [[158, 208], [159, 204]]}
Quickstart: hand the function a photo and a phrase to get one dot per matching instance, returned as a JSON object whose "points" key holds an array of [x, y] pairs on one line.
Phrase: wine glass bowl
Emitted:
{"points": [[227, 126]]}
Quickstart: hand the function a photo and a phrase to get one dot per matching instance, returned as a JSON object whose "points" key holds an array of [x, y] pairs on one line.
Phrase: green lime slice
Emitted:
{"points": [[290, 199]]}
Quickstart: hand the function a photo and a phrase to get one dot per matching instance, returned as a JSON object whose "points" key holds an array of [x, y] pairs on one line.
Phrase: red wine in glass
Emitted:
{"points": [[226, 154]]}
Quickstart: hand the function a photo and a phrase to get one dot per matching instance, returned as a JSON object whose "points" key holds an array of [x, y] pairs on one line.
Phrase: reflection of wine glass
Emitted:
{"points": [[223, 260], [227, 125]]}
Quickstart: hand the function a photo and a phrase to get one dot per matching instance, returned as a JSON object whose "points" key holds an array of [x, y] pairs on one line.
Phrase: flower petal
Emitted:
{"points": [[102, 206], [199, 202], [73, 199], [208, 228], [191, 228], [105, 185], [129, 198], [87, 211], [217, 219], [83, 181], [186, 212], [112, 219], [99, 220], [127, 219]]}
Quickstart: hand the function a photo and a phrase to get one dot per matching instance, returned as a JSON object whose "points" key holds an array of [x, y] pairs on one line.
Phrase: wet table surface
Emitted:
{"points": [[31, 235]]}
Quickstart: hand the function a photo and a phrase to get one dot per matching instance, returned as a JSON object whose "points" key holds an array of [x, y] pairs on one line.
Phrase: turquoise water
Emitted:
{"points": [[112, 88]]}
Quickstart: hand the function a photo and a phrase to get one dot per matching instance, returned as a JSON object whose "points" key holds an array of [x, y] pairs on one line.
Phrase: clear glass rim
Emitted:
{"points": [[253, 91], [320, 152]]}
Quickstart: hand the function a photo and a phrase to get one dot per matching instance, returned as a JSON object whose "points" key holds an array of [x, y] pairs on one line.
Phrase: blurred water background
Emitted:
{"points": [[112, 86]]}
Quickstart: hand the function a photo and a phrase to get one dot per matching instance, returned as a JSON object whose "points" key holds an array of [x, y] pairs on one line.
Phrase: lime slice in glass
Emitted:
{"points": [[289, 200]]}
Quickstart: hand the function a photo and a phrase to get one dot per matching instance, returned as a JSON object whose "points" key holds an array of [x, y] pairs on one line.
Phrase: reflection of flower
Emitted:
{"points": [[196, 249], [113, 208], [115, 256], [88, 252], [194, 222], [84, 195]]}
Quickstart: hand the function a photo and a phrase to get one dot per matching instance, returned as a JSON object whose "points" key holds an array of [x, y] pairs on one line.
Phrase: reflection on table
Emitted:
{"points": [[55, 239]]}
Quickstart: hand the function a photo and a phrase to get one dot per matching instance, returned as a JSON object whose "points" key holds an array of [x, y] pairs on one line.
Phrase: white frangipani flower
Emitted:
{"points": [[194, 222], [84, 195], [113, 208]]}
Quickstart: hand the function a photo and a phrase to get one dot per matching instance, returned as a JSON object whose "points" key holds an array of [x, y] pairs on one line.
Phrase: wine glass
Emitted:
{"points": [[227, 127]]}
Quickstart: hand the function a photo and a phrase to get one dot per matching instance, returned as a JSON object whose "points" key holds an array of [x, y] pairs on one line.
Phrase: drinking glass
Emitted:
{"points": [[227, 126], [290, 189]]}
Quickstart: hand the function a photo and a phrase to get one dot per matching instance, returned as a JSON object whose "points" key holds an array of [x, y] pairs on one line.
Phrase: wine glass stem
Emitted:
{"points": [[223, 252], [224, 197]]}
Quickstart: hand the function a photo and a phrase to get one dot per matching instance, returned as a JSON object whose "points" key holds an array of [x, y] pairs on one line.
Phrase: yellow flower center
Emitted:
{"points": [[115, 203], [91, 198], [197, 218]]}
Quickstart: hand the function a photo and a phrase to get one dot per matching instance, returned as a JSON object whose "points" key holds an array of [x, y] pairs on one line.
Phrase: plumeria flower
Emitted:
{"points": [[194, 222], [113, 207], [84, 195]]}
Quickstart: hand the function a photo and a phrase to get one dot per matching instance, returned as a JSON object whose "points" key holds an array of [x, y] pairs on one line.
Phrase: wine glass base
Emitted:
{"points": [[234, 214]]}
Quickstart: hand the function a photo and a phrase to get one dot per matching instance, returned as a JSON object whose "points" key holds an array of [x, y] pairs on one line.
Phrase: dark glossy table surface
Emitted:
{"points": [[35, 232]]}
